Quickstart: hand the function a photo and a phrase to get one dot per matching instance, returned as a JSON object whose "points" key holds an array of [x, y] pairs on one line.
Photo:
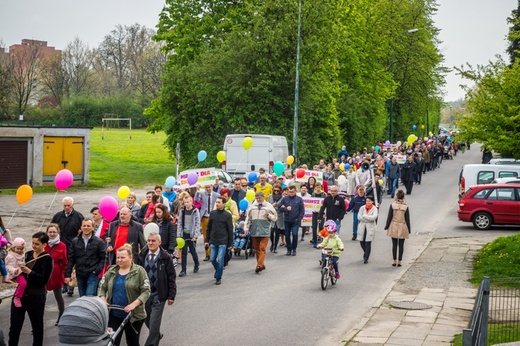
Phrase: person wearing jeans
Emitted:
{"points": [[355, 204], [219, 237], [294, 209], [87, 255]]}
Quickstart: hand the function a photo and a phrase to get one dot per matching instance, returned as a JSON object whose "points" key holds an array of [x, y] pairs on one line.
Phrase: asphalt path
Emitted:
{"points": [[285, 303]]}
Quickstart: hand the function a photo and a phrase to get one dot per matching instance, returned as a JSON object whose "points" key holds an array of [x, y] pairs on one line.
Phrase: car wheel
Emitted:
{"points": [[482, 221]]}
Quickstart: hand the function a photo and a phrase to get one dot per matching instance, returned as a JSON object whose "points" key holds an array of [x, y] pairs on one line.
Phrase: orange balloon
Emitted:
{"points": [[24, 194]]}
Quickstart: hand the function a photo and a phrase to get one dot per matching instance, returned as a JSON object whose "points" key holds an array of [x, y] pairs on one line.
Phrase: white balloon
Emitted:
{"points": [[342, 180], [150, 228]]}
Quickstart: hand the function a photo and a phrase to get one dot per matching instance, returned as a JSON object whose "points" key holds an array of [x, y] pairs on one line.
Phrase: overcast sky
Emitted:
{"points": [[472, 31]]}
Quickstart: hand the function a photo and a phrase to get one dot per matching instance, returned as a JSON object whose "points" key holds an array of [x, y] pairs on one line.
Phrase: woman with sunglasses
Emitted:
{"points": [[277, 227]]}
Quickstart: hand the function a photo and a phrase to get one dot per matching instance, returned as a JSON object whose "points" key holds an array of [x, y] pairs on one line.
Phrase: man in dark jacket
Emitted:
{"points": [[335, 206], [293, 209], [355, 204], [123, 231], [393, 176], [69, 220], [87, 254], [408, 173], [219, 236], [161, 272]]}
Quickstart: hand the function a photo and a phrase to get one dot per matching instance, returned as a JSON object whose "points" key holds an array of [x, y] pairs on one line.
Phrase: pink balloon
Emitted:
{"points": [[192, 178], [63, 179], [108, 207]]}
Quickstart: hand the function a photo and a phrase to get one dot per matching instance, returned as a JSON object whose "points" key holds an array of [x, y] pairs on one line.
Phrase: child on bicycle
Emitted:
{"points": [[333, 244]]}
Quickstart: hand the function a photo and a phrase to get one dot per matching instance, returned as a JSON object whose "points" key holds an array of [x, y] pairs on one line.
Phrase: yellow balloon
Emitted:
{"points": [[123, 192], [221, 156], [250, 195], [247, 143], [381, 182], [24, 194], [290, 159], [341, 167]]}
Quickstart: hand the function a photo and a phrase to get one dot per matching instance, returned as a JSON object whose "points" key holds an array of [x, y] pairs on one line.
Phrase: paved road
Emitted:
{"points": [[285, 304]]}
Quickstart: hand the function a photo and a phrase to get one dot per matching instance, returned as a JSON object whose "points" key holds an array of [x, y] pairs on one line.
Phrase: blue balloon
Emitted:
{"points": [[202, 155], [170, 182], [252, 177], [243, 204], [414, 127], [347, 166]]}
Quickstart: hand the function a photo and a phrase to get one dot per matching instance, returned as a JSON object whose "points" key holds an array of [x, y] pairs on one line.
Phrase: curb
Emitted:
{"points": [[364, 320]]}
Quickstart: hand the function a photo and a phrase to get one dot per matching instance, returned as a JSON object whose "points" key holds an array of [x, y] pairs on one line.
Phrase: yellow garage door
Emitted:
{"points": [[60, 153]]}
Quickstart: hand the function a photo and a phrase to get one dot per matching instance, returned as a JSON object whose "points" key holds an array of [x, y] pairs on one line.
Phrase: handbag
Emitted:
{"points": [[73, 280]]}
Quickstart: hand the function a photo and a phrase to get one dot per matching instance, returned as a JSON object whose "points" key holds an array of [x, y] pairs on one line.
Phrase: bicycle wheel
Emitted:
{"points": [[333, 276], [324, 278]]}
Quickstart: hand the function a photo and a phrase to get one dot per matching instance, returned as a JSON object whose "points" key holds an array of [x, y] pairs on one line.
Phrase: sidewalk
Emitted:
{"points": [[435, 281]]}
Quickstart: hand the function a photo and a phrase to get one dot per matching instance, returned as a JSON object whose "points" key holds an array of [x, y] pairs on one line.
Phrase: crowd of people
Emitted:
{"points": [[116, 261]]}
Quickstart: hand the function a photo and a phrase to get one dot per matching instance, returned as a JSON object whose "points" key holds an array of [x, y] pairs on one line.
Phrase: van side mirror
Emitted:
{"points": [[252, 168]]}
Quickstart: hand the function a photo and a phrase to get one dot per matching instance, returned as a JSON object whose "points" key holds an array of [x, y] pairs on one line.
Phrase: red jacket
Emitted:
{"points": [[59, 255]]}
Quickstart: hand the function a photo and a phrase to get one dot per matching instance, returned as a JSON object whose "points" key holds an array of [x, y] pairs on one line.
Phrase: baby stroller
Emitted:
{"points": [[85, 322]]}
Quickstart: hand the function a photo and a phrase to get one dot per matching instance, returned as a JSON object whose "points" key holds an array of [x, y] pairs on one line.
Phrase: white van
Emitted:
{"points": [[264, 152], [476, 174]]}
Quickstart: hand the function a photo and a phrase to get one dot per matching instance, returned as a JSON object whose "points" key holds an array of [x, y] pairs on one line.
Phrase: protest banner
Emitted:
{"points": [[205, 176], [312, 204], [318, 175], [401, 159]]}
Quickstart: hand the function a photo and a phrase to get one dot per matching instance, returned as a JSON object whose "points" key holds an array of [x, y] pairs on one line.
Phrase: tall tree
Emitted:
{"points": [[492, 114], [514, 35], [6, 82], [77, 68], [25, 64]]}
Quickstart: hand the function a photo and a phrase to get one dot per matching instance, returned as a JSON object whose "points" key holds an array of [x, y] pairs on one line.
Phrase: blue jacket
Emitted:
{"points": [[356, 203], [297, 208]]}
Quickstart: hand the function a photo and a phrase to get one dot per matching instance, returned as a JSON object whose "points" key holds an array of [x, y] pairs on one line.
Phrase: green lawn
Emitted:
{"points": [[498, 259], [117, 160]]}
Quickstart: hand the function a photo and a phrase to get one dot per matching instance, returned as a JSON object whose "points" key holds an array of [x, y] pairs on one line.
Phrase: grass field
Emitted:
{"points": [[118, 160]]}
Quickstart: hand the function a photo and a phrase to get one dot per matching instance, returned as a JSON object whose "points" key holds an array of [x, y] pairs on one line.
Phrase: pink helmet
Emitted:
{"points": [[331, 226]]}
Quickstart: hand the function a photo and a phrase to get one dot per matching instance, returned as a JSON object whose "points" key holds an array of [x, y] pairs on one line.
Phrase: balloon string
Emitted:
{"points": [[240, 162], [13, 215], [48, 210]]}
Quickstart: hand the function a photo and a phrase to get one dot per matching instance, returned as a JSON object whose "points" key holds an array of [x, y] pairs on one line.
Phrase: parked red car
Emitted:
{"points": [[491, 204]]}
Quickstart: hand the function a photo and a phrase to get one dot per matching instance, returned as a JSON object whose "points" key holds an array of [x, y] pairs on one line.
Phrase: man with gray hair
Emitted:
{"points": [[258, 223], [69, 221], [161, 272]]}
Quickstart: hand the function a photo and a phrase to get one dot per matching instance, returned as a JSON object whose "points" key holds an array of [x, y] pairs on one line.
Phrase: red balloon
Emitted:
{"points": [[300, 173]]}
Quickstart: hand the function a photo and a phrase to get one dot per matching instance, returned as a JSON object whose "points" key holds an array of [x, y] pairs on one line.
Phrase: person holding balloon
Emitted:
{"points": [[69, 221], [58, 251], [207, 198], [188, 228], [122, 231]]}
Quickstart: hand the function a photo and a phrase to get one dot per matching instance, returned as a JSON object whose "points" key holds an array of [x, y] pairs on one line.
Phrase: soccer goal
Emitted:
{"points": [[105, 122]]}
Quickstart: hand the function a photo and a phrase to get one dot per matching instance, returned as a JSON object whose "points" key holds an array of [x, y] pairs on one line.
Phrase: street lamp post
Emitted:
{"points": [[411, 31], [296, 84]]}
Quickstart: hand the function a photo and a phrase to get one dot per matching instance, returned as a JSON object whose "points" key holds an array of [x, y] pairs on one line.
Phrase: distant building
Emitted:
{"points": [[40, 47], [24, 55]]}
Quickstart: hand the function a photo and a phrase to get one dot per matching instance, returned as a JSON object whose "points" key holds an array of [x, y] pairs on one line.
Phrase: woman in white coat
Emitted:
{"points": [[366, 233]]}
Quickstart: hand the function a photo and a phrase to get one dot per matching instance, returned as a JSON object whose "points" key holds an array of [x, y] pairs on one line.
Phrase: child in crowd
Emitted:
{"points": [[240, 238], [13, 261], [333, 244]]}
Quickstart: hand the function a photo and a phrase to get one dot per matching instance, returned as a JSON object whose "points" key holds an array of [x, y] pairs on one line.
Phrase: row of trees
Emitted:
{"points": [[231, 69], [492, 107], [120, 76]]}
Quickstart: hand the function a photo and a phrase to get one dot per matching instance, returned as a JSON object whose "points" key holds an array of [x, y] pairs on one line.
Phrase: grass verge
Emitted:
{"points": [[498, 259]]}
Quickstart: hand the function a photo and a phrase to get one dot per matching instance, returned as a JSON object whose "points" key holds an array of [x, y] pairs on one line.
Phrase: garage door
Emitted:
{"points": [[13, 164]]}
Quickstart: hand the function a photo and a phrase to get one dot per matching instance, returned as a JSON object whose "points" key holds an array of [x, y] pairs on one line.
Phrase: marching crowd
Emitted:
{"points": [[126, 266]]}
